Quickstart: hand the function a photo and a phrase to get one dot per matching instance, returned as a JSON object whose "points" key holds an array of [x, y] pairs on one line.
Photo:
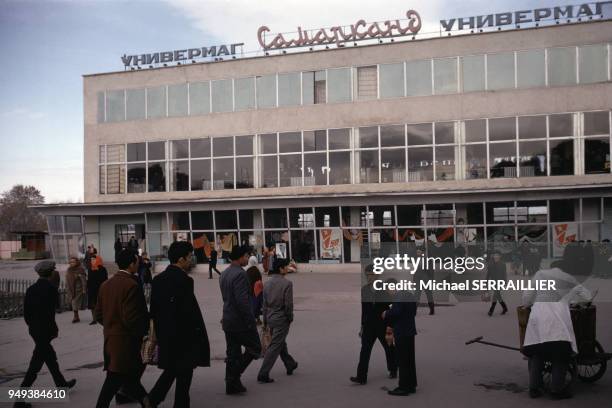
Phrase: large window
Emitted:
{"points": [[593, 63], [418, 78], [339, 85], [199, 98], [500, 71], [473, 73], [531, 71], [445, 75], [266, 91], [135, 109], [115, 106], [314, 87], [289, 89], [391, 80], [177, 100], [222, 96], [156, 102], [561, 66], [244, 93]]}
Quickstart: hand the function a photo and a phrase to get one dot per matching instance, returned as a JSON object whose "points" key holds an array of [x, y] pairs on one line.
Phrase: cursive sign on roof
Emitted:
{"points": [[341, 34]]}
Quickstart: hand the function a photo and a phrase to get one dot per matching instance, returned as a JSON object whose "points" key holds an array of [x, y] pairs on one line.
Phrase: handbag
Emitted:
{"points": [[265, 338], [150, 350]]}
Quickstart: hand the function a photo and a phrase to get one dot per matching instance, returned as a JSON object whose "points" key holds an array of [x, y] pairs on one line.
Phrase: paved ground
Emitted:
{"points": [[324, 341]]}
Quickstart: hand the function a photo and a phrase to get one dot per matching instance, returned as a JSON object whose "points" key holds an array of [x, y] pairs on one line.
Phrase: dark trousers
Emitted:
{"points": [[237, 361], [212, 267], [112, 384], [183, 379], [43, 354], [404, 348], [128, 391], [559, 355], [278, 347], [368, 338]]}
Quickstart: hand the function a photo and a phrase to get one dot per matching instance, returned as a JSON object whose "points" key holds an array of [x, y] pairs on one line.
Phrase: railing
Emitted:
{"points": [[12, 294]]}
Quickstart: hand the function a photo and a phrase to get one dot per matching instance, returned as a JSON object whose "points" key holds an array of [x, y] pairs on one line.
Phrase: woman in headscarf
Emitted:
{"points": [[76, 286]]}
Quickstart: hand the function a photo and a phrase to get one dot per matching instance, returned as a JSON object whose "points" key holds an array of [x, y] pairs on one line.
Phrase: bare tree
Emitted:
{"points": [[15, 214]]}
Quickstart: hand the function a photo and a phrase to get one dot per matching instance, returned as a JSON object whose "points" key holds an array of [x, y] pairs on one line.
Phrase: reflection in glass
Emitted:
{"points": [[561, 157], [339, 168], [502, 159], [393, 165], [244, 145], [475, 130], [368, 136], [157, 177], [177, 100], [156, 102], [475, 161], [136, 152], [596, 123], [315, 166], [290, 142], [561, 125], [223, 174], [392, 135], [200, 175], [179, 175], [561, 66], [473, 73], [115, 106], [530, 68], [420, 164], [391, 80], [445, 75], [268, 171], [596, 155], [502, 129], [223, 146], [244, 172], [418, 78], [533, 158], [136, 174], [244, 93], [532, 127], [339, 139], [289, 89], [290, 168], [222, 98], [593, 63], [200, 147], [315, 140], [157, 151], [267, 143], [135, 104], [445, 132], [180, 149], [368, 166], [445, 163], [500, 70], [266, 91], [420, 134], [339, 85]]}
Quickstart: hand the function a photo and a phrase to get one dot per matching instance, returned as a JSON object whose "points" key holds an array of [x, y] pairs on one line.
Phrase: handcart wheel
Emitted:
{"points": [[570, 375], [593, 368]]}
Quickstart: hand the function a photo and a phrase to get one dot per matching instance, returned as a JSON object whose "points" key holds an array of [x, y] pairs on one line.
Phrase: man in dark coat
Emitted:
{"points": [[401, 318], [122, 310], [373, 328], [238, 321], [41, 300], [496, 270], [212, 263], [179, 327]]}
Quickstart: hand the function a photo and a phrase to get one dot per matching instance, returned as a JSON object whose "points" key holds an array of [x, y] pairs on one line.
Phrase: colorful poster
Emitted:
{"points": [[329, 243], [563, 234], [281, 250]]}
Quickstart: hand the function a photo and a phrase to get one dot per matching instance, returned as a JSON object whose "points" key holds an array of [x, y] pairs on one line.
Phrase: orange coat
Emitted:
{"points": [[122, 310], [96, 262]]}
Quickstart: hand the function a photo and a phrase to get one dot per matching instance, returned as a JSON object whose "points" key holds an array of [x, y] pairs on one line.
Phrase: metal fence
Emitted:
{"points": [[12, 294]]}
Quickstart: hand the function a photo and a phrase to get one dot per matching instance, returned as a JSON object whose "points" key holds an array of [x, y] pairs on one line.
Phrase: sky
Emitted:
{"points": [[46, 47]]}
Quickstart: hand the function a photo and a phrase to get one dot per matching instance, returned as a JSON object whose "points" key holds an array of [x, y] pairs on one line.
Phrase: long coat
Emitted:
{"points": [[179, 325], [122, 309]]}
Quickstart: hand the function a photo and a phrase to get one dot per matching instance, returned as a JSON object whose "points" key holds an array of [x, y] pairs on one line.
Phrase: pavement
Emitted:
{"points": [[324, 340]]}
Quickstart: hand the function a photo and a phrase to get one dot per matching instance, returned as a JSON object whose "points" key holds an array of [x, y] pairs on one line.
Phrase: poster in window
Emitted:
{"points": [[281, 250], [564, 233], [329, 243]]}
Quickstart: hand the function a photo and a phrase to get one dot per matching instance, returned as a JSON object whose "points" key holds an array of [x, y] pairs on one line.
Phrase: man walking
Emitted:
{"points": [[401, 318], [179, 327], [373, 328], [212, 263], [238, 321], [41, 300], [122, 310]]}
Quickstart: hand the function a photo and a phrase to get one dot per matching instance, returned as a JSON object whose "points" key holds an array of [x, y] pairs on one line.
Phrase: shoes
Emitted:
{"points": [[535, 393], [504, 308], [75, 320], [264, 379], [561, 395], [21, 404], [234, 388], [121, 399], [292, 369], [401, 391], [358, 380], [93, 322], [492, 308], [392, 374], [431, 308], [147, 403]]}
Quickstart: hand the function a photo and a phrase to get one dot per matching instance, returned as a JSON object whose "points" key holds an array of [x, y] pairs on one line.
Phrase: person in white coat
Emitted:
{"points": [[550, 333]]}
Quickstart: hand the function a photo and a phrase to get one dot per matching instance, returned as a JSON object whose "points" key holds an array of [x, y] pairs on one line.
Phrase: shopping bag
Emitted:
{"points": [[149, 349], [265, 338]]}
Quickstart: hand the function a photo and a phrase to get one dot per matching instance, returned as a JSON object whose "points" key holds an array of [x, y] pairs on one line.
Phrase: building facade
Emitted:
{"points": [[500, 136]]}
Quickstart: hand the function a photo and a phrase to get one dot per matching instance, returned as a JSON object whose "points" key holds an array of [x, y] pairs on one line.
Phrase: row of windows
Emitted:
{"points": [[487, 72], [525, 146]]}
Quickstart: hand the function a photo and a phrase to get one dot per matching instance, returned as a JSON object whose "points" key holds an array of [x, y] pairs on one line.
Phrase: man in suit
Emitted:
{"points": [[41, 300], [212, 263], [372, 328], [179, 327], [401, 318], [238, 321], [122, 310]]}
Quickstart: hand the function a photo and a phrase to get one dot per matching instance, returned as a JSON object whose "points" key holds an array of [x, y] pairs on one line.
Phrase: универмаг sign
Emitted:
{"points": [[180, 55]]}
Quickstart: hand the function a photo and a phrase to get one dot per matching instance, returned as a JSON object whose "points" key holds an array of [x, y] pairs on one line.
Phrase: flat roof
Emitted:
{"points": [[399, 40]]}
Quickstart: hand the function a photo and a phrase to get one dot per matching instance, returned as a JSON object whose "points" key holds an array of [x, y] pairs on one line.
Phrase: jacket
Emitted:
{"points": [[41, 300], [550, 318], [277, 308], [236, 293], [179, 325], [372, 309], [122, 310], [401, 316]]}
